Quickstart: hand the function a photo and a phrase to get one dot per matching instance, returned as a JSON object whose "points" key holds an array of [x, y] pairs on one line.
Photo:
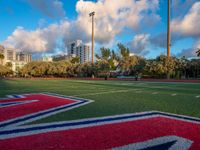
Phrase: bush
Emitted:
{"points": [[5, 71]]}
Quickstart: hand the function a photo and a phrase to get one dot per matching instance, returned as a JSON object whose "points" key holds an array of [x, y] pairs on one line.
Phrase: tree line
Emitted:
{"points": [[110, 63]]}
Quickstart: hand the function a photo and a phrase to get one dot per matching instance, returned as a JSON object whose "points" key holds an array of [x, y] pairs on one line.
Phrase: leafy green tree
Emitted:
{"points": [[109, 57], [105, 54], [1, 58], [162, 66], [5, 71], [194, 68], [87, 70], [126, 62], [49, 69], [75, 60], [108, 61], [114, 60], [139, 66], [52, 70], [103, 68], [181, 66], [124, 51], [9, 65]]}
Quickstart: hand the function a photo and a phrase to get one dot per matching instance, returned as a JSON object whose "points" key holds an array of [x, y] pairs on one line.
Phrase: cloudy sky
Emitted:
{"points": [[45, 26]]}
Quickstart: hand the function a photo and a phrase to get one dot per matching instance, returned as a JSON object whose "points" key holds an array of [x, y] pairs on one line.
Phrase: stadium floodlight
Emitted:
{"points": [[92, 15]]}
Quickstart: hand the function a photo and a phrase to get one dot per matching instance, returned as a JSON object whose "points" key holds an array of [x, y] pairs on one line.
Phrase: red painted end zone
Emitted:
{"points": [[108, 136], [43, 102]]}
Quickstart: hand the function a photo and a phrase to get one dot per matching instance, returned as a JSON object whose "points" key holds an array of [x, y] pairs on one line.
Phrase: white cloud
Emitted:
{"points": [[139, 43], [190, 23], [39, 40], [110, 19]]}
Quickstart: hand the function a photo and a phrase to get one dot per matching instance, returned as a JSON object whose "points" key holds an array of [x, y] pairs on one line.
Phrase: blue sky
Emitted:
{"points": [[45, 26]]}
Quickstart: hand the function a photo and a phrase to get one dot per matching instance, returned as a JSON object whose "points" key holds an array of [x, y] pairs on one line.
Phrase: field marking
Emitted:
{"points": [[174, 94], [14, 103], [180, 144], [165, 85], [138, 91], [45, 113], [197, 96], [154, 93], [108, 92], [18, 131]]}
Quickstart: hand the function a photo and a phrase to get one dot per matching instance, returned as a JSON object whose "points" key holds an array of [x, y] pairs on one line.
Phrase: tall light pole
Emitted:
{"points": [[92, 15], [168, 30]]}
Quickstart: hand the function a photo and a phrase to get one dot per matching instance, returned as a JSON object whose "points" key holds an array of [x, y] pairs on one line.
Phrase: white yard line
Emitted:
{"points": [[197, 96], [107, 92], [174, 94], [155, 93], [138, 91]]}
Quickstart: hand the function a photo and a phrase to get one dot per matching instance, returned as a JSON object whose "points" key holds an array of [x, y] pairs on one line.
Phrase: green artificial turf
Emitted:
{"points": [[113, 97]]}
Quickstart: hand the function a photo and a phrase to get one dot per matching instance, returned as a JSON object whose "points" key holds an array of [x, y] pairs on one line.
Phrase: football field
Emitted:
{"points": [[71, 105], [113, 97]]}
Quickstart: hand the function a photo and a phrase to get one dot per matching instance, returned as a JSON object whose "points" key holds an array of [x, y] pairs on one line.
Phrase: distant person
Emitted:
{"points": [[106, 77], [136, 77]]}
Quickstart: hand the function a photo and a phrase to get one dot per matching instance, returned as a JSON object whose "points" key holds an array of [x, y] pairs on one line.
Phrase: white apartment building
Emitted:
{"points": [[9, 55], [18, 59], [79, 49], [24, 56], [1, 52], [71, 47], [1, 49], [83, 52]]}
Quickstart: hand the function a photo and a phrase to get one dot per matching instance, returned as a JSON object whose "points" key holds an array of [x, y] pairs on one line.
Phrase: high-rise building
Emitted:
{"points": [[9, 55], [2, 49], [79, 49], [24, 56], [83, 52], [17, 59], [1, 52], [71, 47]]}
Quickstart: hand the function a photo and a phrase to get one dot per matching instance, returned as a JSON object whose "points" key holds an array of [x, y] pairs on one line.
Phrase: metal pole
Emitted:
{"points": [[168, 37], [168, 31], [92, 15]]}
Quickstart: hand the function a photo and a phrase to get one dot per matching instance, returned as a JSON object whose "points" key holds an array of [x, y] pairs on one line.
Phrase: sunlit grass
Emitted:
{"points": [[113, 97]]}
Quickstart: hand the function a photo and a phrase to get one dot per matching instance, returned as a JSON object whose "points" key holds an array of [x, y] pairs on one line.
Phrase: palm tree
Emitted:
{"points": [[105, 54], [198, 52], [1, 58], [124, 51]]}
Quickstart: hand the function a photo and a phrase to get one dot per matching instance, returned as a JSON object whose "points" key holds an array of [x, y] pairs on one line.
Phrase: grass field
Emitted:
{"points": [[113, 97]]}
